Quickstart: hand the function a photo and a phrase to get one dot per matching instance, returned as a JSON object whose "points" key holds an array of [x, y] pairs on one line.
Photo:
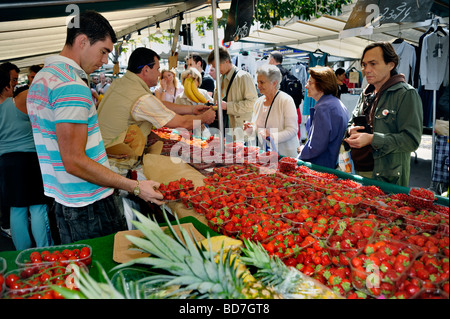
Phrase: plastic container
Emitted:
{"points": [[234, 147], [382, 279], [23, 258], [436, 294], [421, 202], [430, 268], [433, 242], [268, 157], [346, 241], [35, 280], [345, 207], [125, 279], [307, 195], [287, 164], [290, 240]]}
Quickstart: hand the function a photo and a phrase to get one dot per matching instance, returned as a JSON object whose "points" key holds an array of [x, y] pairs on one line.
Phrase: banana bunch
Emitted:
{"points": [[192, 92]]}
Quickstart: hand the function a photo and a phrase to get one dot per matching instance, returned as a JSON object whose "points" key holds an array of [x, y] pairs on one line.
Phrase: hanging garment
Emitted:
{"points": [[299, 71], [407, 60], [434, 64], [321, 60]]}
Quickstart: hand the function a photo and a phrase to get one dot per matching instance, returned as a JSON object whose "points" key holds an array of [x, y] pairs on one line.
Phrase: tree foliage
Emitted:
{"points": [[271, 12]]}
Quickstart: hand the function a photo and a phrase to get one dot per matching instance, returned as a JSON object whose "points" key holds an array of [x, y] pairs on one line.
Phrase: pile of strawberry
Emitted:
{"points": [[34, 282], [384, 263], [318, 223], [175, 190], [287, 164]]}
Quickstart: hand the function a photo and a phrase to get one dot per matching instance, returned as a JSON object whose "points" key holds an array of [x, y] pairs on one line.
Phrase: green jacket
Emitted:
{"points": [[397, 128]]}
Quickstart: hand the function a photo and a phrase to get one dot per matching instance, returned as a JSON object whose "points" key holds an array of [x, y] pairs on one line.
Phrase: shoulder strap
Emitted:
{"points": [[270, 108], [229, 84]]}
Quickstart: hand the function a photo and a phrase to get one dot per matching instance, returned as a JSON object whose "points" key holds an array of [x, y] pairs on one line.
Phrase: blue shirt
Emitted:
{"points": [[326, 128], [16, 134]]}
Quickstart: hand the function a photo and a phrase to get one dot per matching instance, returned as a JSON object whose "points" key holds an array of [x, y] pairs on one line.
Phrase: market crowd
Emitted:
{"points": [[54, 169]]}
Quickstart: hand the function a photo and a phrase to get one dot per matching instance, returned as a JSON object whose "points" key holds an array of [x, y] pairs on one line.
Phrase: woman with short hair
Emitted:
{"points": [[328, 119], [274, 113]]}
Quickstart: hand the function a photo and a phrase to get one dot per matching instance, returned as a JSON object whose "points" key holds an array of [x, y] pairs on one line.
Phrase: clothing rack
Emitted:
{"points": [[435, 24]]}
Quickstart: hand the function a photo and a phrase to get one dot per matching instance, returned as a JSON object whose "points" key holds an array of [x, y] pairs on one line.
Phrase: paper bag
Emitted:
{"points": [[123, 253], [173, 170], [124, 150]]}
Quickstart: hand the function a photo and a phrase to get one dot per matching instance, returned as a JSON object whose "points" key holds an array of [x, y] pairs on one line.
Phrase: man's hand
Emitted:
{"points": [[209, 116], [224, 105], [358, 140], [354, 129], [149, 192], [200, 109]]}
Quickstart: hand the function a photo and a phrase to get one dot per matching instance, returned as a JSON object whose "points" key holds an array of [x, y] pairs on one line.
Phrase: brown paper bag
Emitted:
{"points": [[172, 171], [122, 252], [125, 149]]}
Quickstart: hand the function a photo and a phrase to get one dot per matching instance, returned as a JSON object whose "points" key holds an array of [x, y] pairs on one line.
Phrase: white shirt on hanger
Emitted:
{"points": [[434, 61]]}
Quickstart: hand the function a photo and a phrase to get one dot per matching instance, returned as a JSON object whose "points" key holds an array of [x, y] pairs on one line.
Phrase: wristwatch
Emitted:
{"points": [[137, 190]]}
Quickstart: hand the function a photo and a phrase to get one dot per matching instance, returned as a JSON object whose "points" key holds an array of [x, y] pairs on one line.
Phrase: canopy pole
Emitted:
{"points": [[218, 79]]}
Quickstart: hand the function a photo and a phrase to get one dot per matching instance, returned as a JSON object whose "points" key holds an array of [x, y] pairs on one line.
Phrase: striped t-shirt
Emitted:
{"points": [[58, 94]]}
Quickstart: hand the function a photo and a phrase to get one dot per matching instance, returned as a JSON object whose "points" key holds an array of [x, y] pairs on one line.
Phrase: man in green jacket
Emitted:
{"points": [[392, 110]]}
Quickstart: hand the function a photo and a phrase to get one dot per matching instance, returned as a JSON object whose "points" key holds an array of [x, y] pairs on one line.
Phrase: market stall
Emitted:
{"points": [[297, 213]]}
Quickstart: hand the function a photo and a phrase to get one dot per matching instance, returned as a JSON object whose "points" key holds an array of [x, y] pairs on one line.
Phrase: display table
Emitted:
{"points": [[102, 248]]}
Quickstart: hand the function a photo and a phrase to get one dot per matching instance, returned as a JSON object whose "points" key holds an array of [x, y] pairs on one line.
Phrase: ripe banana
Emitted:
{"points": [[197, 93], [188, 90]]}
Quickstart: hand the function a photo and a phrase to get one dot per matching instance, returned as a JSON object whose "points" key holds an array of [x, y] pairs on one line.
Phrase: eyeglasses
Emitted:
{"points": [[141, 66]]}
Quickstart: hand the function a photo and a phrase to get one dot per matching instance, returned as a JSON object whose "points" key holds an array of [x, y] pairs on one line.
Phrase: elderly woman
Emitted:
{"points": [[197, 76], [169, 87], [328, 119], [274, 113]]}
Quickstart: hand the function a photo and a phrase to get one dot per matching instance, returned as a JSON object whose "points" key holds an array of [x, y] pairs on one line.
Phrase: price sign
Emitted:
{"points": [[375, 13]]}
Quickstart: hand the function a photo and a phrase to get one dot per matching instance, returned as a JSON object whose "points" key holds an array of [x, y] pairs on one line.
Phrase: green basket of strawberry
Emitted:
{"points": [[381, 266]]}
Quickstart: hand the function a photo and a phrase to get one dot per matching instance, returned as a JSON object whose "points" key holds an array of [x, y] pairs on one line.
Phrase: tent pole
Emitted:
{"points": [[433, 142], [218, 79]]}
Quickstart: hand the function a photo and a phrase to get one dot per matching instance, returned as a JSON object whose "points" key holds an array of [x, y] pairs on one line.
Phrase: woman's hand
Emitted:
{"points": [[248, 127]]}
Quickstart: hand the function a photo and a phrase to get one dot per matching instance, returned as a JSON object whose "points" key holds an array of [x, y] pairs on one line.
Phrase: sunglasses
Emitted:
{"points": [[141, 66]]}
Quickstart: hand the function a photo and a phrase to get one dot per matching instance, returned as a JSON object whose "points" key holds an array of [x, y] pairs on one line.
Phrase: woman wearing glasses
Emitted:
{"points": [[328, 119]]}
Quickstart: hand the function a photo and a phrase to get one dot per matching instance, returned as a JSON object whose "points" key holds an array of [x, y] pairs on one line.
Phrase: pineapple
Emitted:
{"points": [[198, 272], [286, 281]]}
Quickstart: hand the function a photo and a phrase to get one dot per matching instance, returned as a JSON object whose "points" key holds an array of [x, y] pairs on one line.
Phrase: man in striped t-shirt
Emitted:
{"points": [[71, 152]]}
